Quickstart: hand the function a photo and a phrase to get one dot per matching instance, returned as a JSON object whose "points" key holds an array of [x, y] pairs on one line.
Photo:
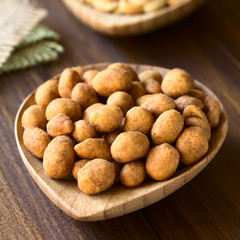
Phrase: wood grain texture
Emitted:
{"points": [[127, 25], [207, 45], [118, 200]]}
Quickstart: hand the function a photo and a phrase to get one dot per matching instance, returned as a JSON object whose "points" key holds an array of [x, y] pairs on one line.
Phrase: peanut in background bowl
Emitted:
{"points": [[127, 25], [118, 200]]}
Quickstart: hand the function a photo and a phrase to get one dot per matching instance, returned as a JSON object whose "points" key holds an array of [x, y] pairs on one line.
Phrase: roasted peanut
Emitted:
{"points": [[212, 110], [96, 176], [36, 140], [83, 130], [129, 146], [162, 162], [47, 92], [185, 100], [34, 116], [60, 124], [122, 100], [138, 119], [59, 157], [133, 173], [93, 148], [167, 127], [192, 145], [68, 79], [158, 104], [177, 82], [106, 118]]}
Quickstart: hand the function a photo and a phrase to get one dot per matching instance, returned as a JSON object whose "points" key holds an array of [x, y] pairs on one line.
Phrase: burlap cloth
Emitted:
{"points": [[24, 43]]}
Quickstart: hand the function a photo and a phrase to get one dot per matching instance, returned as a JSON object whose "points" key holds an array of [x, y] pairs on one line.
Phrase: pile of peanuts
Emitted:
{"points": [[116, 125], [130, 6]]}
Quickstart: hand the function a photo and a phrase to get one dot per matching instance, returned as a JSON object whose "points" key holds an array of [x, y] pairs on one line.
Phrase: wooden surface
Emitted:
{"points": [[207, 45], [128, 25], [118, 200]]}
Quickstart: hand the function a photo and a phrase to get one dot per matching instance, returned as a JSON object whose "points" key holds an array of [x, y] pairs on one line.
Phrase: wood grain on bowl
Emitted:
{"points": [[126, 25], [118, 200]]}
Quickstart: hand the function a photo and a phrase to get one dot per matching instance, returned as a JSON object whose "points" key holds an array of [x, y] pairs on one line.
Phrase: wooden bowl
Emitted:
{"points": [[127, 25], [118, 200]]}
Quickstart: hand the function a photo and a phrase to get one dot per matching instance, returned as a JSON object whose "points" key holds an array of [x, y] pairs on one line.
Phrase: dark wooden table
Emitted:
{"points": [[207, 44]]}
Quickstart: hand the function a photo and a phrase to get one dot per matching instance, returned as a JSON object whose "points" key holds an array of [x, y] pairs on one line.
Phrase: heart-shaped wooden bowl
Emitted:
{"points": [[118, 200], [127, 25]]}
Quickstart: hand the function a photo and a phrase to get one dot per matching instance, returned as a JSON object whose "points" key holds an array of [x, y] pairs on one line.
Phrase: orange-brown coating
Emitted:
{"points": [[36, 140], [66, 106], [78, 165], [139, 101], [47, 92], [167, 127], [129, 146], [212, 110], [199, 122], [128, 68], [177, 82], [162, 162], [133, 173], [59, 157], [192, 145], [96, 176], [106, 118], [193, 111], [138, 119], [143, 76], [137, 90], [83, 130], [110, 137], [34, 116], [111, 80], [84, 95], [88, 76], [68, 79], [93, 148], [196, 93], [122, 100], [152, 86], [158, 104], [185, 100], [60, 124], [90, 109]]}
